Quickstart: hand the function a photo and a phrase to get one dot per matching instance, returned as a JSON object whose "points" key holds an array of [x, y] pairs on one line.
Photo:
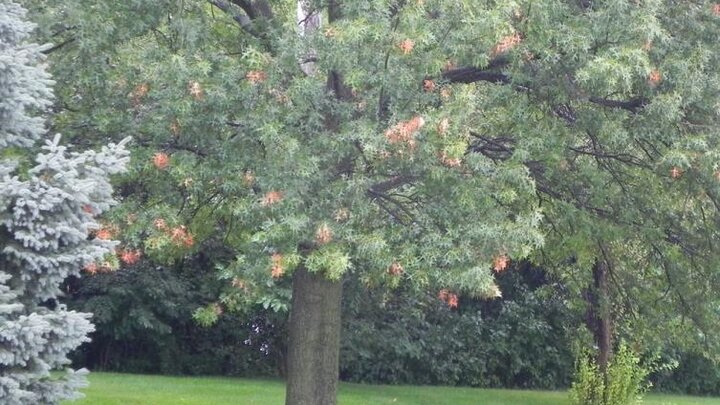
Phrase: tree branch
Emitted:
{"points": [[620, 157], [58, 46], [498, 148], [241, 19], [470, 74], [255, 9], [633, 105], [382, 198], [391, 183], [247, 7]]}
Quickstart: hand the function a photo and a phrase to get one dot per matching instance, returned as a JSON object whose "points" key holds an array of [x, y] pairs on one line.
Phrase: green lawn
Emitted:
{"points": [[132, 389]]}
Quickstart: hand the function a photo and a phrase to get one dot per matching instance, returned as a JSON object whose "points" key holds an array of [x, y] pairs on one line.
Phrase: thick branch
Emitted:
{"points": [[334, 11], [58, 46], [255, 9], [247, 7], [472, 74], [309, 21], [241, 19], [633, 105], [391, 183]]}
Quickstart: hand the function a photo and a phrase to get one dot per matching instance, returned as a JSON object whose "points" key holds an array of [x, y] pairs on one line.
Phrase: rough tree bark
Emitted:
{"points": [[599, 319], [314, 341]]}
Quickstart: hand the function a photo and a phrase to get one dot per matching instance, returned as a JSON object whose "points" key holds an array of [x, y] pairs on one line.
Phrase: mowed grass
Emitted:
{"points": [[133, 389]]}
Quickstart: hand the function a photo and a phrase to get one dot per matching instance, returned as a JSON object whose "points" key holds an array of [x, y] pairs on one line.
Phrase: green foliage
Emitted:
{"points": [[143, 324], [624, 382], [695, 374], [406, 337], [262, 156], [332, 261], [207, 315]]}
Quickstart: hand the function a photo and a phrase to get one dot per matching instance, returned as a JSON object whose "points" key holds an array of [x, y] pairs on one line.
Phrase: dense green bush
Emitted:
{"points": [[518, 341], [143, 318], [695, 375]]}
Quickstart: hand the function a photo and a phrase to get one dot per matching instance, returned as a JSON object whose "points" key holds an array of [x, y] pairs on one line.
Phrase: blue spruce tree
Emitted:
{"points": [[48, 204]]}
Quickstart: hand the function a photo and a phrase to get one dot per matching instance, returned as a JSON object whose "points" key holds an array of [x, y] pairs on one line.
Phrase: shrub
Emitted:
{"points": [[624, 383]]}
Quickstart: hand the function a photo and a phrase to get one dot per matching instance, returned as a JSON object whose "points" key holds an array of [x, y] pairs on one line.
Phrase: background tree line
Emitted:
{"points": [[144, 324]]}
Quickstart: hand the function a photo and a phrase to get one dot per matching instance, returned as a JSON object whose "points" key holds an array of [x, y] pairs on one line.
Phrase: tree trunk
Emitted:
{"points": [[314, 340], [599, 317]]}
